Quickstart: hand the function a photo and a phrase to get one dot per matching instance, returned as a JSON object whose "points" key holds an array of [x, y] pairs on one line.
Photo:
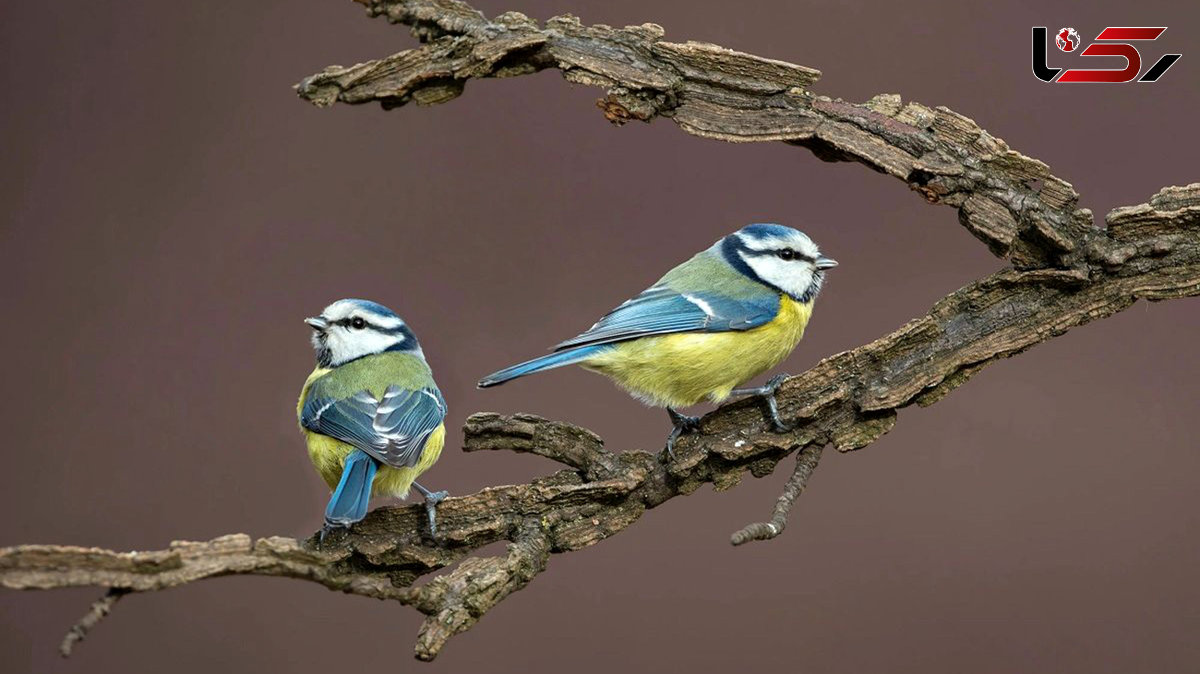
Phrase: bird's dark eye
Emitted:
{"points": [[358, 324], [786, 254]]}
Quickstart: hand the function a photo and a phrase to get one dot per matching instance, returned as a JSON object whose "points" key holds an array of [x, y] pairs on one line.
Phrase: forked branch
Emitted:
{"points": [[1064, 272]]}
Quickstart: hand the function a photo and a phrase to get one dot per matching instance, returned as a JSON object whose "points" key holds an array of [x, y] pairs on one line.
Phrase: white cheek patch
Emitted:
{"points": [[792, 277], [346, 345]]}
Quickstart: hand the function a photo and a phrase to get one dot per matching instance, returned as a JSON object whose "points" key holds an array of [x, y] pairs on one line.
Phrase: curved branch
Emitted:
{"points": [[1009, 201], [1065, 273]]}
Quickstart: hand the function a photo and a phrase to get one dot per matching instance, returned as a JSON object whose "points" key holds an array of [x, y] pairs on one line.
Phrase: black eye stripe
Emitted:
{"points": [[349, 323], [780, 252]]}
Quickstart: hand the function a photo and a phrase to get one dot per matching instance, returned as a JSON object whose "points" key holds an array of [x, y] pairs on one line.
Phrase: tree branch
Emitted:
{"points": [[1009, 201], [1065, 272]]}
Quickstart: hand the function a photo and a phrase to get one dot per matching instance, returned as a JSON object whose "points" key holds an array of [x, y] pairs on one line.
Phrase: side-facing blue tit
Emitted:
{"points": [[370, 411], [725, 316]]}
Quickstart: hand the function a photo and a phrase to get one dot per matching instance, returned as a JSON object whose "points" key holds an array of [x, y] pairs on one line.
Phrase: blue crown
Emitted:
{"points": [[764, 230], [373, 307]]}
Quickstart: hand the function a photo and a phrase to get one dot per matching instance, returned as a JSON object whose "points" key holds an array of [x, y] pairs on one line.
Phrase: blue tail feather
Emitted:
{"points": [[544, 363], [349, 501]]}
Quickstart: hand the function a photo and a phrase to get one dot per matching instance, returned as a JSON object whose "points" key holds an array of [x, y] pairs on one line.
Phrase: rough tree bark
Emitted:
{"points": [[1063, 271]]}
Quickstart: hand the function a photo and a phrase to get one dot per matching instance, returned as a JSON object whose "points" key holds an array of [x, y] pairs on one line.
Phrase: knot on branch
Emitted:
{"points": [[621, 106]]}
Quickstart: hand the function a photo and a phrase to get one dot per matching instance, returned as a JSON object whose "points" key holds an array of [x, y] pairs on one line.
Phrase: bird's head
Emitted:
{"points": [[780, 257], [350, 329]]}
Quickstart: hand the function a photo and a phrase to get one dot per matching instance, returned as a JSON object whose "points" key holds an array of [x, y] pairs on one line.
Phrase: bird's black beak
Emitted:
{"points": [[317, 323], [825, 263]]}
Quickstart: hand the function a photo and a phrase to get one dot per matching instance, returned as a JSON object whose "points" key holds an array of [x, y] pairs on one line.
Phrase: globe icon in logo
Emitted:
{"points": [[1067, 39]]}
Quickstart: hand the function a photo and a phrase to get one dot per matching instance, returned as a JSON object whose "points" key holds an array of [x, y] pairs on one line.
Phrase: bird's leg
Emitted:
{"points": [[681, 423], [432, 498], [328, 528], [767, 392]]}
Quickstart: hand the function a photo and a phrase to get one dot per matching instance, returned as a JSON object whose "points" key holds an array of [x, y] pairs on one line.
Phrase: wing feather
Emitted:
{"points": [[661, 310], [393, 430]]}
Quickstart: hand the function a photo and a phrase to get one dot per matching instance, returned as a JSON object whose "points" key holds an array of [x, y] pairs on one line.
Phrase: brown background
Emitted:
{"points": [[170, 212]]}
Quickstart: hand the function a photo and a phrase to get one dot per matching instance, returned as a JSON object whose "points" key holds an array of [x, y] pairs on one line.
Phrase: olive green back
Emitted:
{"points": [[374, 374], [707, 271]]}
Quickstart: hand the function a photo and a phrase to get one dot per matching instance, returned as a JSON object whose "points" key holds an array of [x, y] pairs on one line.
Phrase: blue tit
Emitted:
{"points": [[370, 411], [725, 316]]}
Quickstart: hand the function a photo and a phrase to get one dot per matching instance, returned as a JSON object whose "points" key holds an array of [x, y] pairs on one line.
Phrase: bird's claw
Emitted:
{"points": [[327, 529], [431, 502], [767, 393], [681, 423], [432, 499]]}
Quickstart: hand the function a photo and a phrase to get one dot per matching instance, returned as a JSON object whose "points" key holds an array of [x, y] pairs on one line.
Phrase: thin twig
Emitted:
{"points": [[99, 611], [806, 463]]}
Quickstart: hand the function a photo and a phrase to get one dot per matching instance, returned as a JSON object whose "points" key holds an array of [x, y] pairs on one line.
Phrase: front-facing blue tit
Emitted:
{"points": [[371, 412], [725, 316]]}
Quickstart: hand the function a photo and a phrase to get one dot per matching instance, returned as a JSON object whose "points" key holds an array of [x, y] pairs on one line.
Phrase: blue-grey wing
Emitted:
{"points": [[661, 310], [347, 419], [393, 430], [407, 418]]}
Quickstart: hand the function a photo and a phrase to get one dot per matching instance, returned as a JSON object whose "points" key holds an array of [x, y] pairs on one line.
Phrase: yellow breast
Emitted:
{"points": [[685, 369], [328, 456]]}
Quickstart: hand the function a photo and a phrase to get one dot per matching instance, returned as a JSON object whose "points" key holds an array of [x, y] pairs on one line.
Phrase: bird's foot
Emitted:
{"points": [[329, 528], [767, 393], [432, 499], [681, 423]]}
